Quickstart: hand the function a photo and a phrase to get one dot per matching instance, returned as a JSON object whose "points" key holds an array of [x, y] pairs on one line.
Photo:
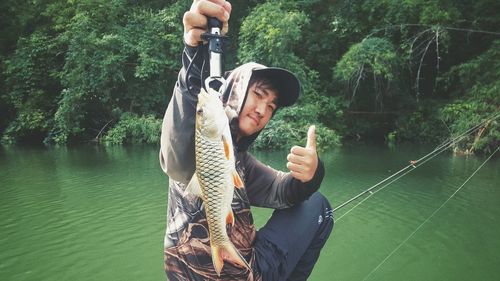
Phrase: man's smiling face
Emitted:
{"points": [[260, 103]]}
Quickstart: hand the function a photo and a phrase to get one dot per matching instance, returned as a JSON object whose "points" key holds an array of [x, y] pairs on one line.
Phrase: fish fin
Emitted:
{"points": [[227, 148], [230, 218], [228, 142], [238, 183], [193, 186], [227, 252]]}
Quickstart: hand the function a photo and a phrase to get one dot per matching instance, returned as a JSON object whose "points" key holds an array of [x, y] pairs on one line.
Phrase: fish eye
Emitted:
{"points": [[199, 111]]}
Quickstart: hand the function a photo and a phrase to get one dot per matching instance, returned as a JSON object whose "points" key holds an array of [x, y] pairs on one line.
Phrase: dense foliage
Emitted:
{"points": [[415, 70], [134, 129]]}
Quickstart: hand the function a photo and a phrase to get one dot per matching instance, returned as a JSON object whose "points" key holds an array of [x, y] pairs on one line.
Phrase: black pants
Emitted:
{"points": [[288, 246]]}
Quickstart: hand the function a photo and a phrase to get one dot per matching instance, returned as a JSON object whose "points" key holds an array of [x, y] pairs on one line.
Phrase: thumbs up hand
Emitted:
{"points": [[303, 161]]}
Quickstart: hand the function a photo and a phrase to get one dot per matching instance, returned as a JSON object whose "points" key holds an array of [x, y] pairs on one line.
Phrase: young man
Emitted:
{"points": [[288, 246]]}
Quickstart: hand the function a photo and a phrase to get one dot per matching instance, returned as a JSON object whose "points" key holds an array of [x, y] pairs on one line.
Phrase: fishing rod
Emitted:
{"points": [[215, 39], [414, 164], [432, 215]]}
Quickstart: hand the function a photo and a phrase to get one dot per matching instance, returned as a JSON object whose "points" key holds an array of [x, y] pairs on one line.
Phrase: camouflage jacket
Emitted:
{"points": [[187, 246]]}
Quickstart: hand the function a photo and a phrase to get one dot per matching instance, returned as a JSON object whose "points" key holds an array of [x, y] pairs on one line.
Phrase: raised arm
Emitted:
{"points": [[267, 187], [177, 136]]}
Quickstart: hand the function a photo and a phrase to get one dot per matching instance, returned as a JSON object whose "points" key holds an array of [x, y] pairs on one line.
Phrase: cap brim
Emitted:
{"points": [[286, 82]]}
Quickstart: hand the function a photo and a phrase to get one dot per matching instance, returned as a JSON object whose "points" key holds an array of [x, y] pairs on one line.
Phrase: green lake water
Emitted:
{"points": [[98, 213]]}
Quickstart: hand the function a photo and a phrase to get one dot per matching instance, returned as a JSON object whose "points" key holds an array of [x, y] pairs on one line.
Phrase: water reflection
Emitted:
{"points": [[72, 212]]}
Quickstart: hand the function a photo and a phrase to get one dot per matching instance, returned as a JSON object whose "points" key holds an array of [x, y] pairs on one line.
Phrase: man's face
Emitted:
{"points": [[258, 109]]}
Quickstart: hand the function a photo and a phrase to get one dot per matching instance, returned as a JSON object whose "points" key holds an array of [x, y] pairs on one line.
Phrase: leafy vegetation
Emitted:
{"points": [[416, 70], [479, 102], [134, 129], [374, 59], [289, 127]]}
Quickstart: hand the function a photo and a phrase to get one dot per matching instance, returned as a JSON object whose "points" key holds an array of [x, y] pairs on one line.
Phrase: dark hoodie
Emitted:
{"points": [[187, 246]]}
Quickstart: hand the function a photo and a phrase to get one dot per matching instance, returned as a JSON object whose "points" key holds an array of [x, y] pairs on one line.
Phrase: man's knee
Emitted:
{"points": [[325, 217], [320, 199]]}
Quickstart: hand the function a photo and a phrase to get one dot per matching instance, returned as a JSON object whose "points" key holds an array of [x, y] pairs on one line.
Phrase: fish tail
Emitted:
{"points": [[227, 251]]}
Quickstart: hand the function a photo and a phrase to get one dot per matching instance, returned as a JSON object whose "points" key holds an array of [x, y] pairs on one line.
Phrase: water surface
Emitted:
{"points": [[98, 213]]}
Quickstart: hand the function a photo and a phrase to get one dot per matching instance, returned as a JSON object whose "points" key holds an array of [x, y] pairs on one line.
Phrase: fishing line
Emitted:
{"points": [[408, 169], [433, 26], [414, 164], [427, 219]]}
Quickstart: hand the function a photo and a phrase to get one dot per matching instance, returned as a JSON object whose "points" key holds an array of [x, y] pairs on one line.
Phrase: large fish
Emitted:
{"points": [[215, 177]]}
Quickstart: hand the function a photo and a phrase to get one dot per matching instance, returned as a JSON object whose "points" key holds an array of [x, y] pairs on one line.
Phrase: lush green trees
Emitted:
{"points": [[416, 70], [271, 34], [372, 59], [478, 101], [89, 63]]}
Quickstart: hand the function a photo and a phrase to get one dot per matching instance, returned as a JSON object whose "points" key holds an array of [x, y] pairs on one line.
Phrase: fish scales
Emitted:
{"points": [[212, 176], [216, 177]]}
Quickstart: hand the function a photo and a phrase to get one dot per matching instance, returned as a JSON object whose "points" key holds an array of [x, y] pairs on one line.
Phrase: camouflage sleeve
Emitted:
{"points": [[177, 134], [267, 187]]}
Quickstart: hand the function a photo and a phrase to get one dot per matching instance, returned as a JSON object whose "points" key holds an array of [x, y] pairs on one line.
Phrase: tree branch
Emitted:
{"points": [[420, 67], [360, 74], [102, 129]]}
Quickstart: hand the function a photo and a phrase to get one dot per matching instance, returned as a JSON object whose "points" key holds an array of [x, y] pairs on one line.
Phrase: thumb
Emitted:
{"points": [[311, 137]]}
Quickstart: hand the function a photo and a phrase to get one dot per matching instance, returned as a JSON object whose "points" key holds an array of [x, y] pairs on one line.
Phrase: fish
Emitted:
{"points": [[215, 177]]}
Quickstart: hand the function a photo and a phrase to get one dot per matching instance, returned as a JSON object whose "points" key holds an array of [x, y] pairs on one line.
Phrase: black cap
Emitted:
{"points": [[286, 82]]}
